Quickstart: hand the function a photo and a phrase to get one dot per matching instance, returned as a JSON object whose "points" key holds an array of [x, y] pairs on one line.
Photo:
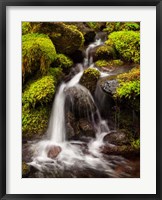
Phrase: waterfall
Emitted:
{"points": [[71, 154]]}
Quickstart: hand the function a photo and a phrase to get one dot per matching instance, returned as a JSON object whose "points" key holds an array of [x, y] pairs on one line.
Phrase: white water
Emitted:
{"points": [[72, 154]]}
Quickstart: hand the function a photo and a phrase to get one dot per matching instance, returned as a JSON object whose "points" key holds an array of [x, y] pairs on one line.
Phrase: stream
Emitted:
{"points": [[57, 157]]}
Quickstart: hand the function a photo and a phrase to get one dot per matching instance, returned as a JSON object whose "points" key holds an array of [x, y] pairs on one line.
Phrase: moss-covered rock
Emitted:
{"points": [[63, 62], [89, 79], [66, 38], [34, 121], [104, 53], [127, 44], [38, 52], [39, 92]]}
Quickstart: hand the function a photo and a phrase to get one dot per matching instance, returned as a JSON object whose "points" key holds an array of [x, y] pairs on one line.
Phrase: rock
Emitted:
{"points": [[53, 151], [89, 79], [86, 128], [79, 101], [124, 150], [109, 84], [66, 38], [117, 138]]}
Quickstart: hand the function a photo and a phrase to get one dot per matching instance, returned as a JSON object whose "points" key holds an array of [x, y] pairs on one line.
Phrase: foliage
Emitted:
{"points": [[39, 92], [129, 84], [26, 28], [121, 26], [62, 61], [94, 25], [105, 53], [135, 144], [34, 121], [127, 44], [111, 27], [104, 63], [129, 89], [128, 26], [56, 73], [38, 52]]}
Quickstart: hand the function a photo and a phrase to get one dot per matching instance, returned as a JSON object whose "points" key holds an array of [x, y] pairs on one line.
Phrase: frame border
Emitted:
{"points": [[3, 5]]}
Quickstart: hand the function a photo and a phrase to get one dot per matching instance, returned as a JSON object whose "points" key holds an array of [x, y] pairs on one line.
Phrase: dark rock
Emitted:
{"points": [[86, 128], [79, 101], [53, 151], [124, 150], [117, 138], [25, 170]]}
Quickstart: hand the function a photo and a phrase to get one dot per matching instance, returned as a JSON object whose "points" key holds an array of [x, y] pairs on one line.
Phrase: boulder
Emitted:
{"points": [[117, 138], [53, 151], [79, 101]]}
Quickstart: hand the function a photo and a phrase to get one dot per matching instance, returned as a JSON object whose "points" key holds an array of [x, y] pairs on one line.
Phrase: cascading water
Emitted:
{"points": [[75, 155]]}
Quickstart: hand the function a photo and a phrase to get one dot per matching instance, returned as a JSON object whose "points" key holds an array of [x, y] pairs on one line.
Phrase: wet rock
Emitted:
{"points": [[79, 101], [54, 151], [109, 84], [124, 150], [117, 138], [86, 128]]}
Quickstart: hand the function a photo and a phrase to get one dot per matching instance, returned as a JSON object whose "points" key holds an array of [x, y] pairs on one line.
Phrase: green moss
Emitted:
{"points": [[127, 44], [105, 53], [34, 121], [135, 144], [56, 73], [26, 28], [39, 92], [62, 61], [112, 26], [89, 79], [104, 63], [38, 52], [25, 169], [130, 26]]}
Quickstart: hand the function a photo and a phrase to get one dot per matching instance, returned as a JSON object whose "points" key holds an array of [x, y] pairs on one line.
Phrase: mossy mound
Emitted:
{"points": [[105, 53], [66, 38], [63, 62], [38, 52], [89, 79], [127, 44], [34, 121], [39, 92]]}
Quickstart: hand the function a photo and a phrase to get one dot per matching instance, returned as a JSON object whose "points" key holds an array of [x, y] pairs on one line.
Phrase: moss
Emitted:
{"points": [[38, 52], [57, 74], [63, 62], [39, 92], [89, 79], [66, 38], [130, 26], [105, 53], [121, 26], [26, 28], [25, 169], [135, 144], [34, 121], [127, 44], [104, 63]]}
